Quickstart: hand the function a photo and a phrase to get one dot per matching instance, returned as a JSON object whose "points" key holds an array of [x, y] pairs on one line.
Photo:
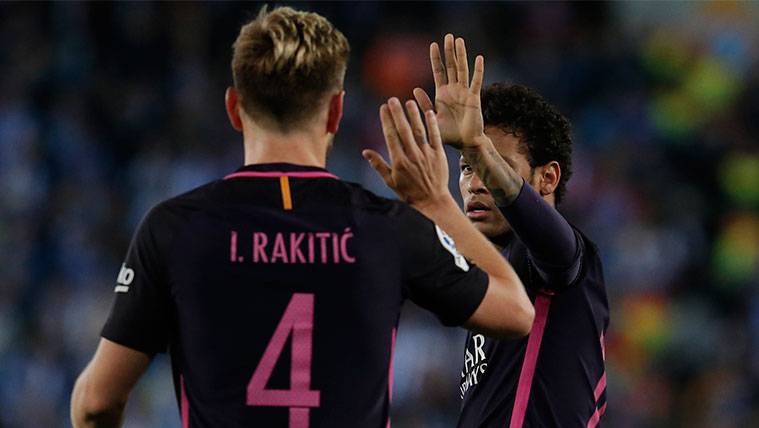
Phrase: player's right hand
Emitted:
{"points": [[457, 103], [419, 171]]}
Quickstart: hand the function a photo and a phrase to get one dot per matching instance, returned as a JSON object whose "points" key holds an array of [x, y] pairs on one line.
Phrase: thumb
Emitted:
{"points": [[379, 165]]}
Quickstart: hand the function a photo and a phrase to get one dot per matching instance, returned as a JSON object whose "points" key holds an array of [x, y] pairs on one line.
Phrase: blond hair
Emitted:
{"points": [[285, 62]]}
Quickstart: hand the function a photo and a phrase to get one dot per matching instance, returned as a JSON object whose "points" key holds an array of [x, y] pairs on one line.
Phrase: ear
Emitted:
{"points": [[233, 110], [335, 112], [548, 178]]}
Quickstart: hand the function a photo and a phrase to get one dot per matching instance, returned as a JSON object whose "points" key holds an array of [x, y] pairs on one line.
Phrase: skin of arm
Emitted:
{"points": [[502, 181], [101, 391], [419, 175], [505, 293]]}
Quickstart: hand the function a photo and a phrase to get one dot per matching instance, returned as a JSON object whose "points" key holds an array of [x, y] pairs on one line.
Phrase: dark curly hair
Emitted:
{"points": [[540, 128]]}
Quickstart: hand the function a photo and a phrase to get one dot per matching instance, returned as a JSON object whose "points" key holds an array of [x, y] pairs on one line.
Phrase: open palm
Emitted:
{"points": [[457, 103]]}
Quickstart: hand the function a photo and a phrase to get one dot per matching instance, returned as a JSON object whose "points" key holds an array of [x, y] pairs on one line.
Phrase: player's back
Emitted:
{"points": [[284, 285], [277, 291]]}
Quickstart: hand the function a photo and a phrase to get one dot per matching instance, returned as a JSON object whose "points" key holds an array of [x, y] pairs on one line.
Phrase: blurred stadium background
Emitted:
{"points": [[107, 108]]}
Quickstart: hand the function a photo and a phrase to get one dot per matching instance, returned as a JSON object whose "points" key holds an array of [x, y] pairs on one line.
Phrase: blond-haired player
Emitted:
{"points": [[277, 289]]}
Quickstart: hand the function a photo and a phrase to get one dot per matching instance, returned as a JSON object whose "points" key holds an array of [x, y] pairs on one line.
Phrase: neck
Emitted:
{"points": [[500, 241], [297, 147]]}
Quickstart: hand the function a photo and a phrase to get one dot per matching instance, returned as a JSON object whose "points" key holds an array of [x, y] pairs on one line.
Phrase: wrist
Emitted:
{"points": [[436, 206], [476, 144], [477, 150], [456, 143]]}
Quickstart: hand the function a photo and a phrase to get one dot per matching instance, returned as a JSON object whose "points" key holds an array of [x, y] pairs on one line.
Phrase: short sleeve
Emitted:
{"points": [[139, 316], [436, 276]]}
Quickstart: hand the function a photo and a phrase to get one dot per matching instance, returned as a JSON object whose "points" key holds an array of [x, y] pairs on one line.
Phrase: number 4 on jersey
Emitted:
{"points": [[298, 319]]}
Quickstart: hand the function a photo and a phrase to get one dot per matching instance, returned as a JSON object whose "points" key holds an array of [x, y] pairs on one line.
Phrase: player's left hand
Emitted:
{"points": [[419, 171], [457, 103]]}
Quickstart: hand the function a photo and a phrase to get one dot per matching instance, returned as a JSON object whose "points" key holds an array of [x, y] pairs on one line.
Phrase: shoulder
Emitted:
{"points": [[590, 268], [388, 215], [180, 207], [164, 217], [375, 204], [589, 247], [197, 198]]}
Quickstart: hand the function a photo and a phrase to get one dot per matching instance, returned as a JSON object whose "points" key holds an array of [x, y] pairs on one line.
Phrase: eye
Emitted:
{"points": [[465, 169]]}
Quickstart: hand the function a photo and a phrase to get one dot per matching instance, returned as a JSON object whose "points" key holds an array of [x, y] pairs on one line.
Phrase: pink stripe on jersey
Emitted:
{"points": [[596, 418], [542, 303], [390, 372], [600, 387], [277, 174], [185, 404]]}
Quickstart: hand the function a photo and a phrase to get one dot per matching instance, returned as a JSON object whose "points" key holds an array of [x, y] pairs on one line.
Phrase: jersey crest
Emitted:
{"points": [[450, 245]]}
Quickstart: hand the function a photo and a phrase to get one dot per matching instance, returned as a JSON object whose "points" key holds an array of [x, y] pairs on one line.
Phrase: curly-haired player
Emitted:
{"points": [[515, 163]]}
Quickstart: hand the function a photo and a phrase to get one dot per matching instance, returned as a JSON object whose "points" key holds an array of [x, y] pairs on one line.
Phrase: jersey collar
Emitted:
{"points": [[280, 169]]}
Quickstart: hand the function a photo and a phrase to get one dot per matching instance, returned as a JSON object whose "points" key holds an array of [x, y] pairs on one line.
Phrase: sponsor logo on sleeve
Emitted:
{"points": [[126, 276], [449, 245]]}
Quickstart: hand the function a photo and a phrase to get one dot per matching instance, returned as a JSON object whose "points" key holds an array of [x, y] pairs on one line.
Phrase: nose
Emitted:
{"points": [[476, 186]]}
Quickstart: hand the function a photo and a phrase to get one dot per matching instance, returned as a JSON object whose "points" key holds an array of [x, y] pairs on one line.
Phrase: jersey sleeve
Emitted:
{"points": [[436, 276], [139, 315]]}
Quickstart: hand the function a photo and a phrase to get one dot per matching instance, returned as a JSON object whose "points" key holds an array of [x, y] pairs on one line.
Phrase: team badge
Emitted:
{"points": [[450, 245]]}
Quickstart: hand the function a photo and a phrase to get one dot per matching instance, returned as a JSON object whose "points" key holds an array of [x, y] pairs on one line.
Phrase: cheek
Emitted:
{"points": [[463, 181], [498, 223]]}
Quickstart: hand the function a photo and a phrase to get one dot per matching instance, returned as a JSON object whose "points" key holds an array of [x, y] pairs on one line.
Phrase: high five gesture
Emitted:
{"points": [[418, 173], [458, 109], [457, 103]]}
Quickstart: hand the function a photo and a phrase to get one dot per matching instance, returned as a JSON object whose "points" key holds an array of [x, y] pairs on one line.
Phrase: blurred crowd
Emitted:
{"points": [[108, 108]]}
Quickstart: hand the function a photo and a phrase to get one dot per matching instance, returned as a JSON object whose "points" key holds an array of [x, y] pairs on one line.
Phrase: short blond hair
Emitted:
{"points": [[285, 61]]}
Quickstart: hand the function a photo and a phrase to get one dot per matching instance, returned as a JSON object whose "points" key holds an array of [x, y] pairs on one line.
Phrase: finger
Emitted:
{"points": [[462, 63], [380, 165], [417, 126], [450, 58], [392, 139], [410, 149], [478, 76], [433, 131], [423, 99], [438, 70]]}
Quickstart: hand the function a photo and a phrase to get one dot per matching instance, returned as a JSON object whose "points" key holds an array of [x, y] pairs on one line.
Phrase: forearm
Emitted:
{"points": [[89, 410], [505, 311], [542, 229], [469, 241], [99, 420], [502, 181]]}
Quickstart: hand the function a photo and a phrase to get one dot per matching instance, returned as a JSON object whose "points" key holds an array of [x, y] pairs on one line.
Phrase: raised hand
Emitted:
{"points": [[419, 171], [419, 175], [457, 103]]}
